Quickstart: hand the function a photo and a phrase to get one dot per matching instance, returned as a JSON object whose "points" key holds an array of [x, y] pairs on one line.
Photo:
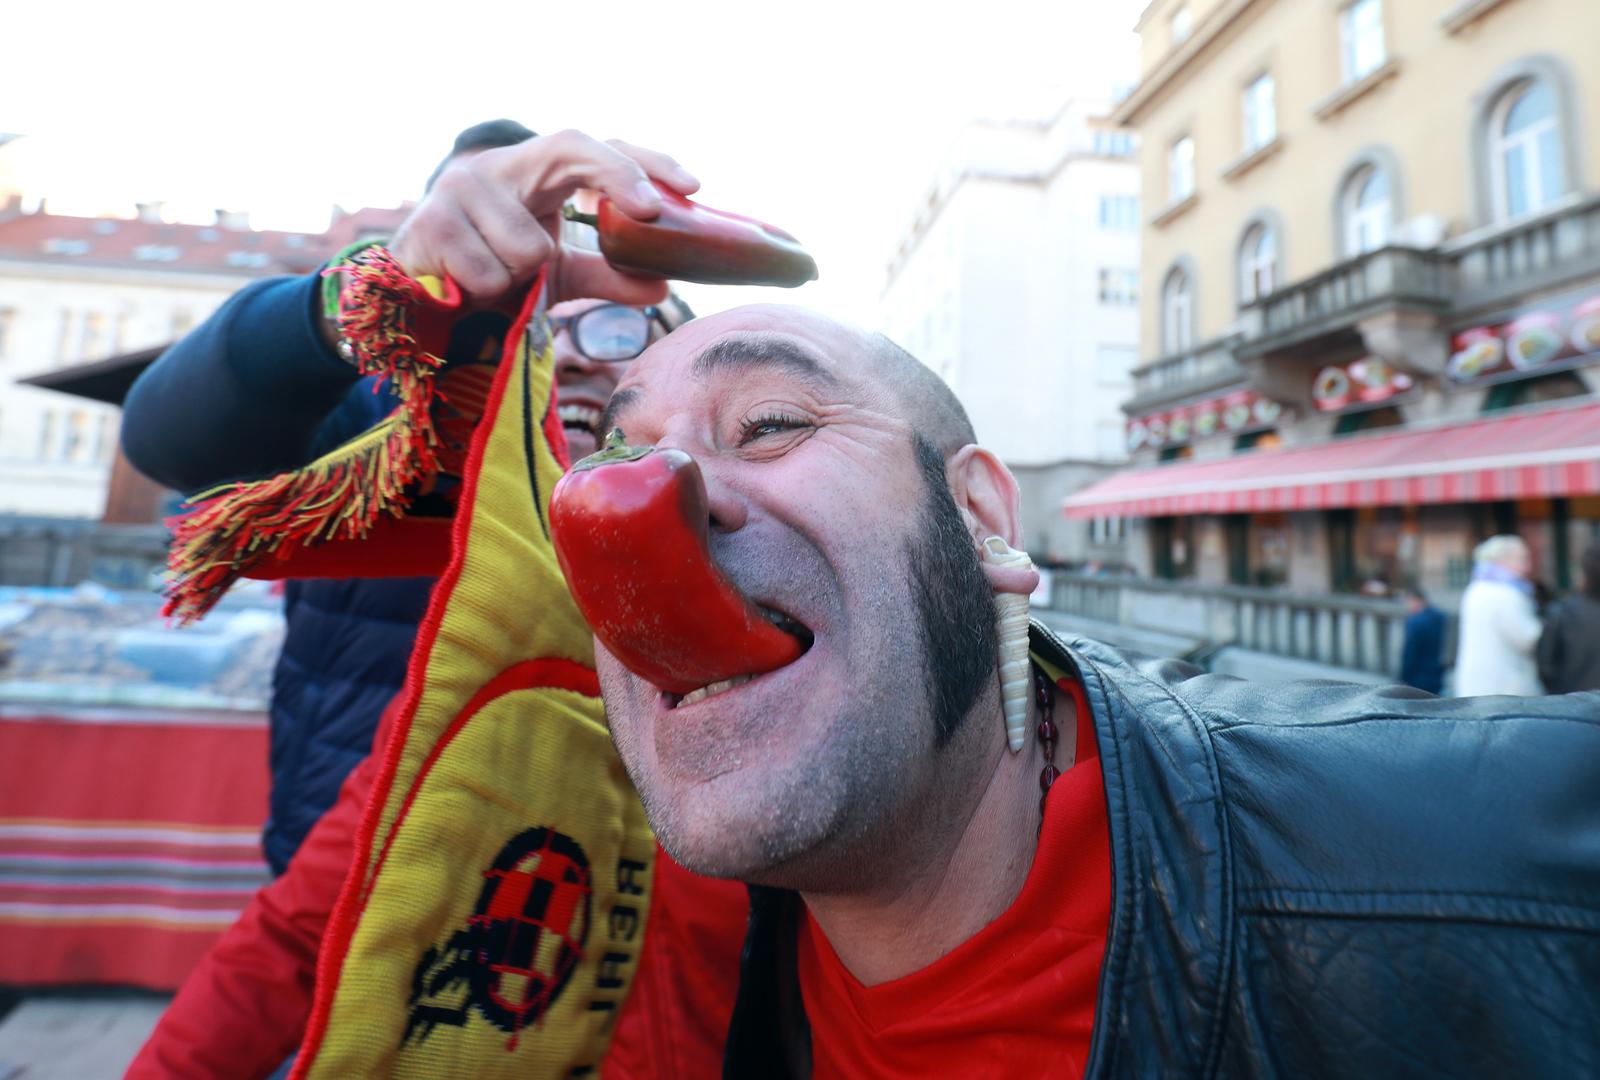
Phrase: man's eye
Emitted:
{"points": [[770, 424]]}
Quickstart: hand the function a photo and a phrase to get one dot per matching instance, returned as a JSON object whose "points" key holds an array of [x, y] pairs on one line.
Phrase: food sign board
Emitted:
{"points": [[1235, 414], [1361, 382], [1527, 343]]}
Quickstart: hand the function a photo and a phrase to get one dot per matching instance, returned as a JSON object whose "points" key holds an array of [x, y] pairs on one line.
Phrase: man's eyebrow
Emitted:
{"points": [[763, 351], [622, 399]]}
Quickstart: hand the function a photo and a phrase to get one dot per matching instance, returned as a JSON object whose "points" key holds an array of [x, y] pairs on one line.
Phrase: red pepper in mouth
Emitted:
{"points": [[690, 242], [631, 531]]}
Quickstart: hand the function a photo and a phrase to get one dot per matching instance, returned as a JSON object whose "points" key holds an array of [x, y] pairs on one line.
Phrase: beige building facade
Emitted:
{"points": [[1371, 239]]}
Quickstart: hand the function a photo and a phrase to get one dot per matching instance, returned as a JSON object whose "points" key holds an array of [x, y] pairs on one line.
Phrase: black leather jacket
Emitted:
{"points": [[1314, 880]]}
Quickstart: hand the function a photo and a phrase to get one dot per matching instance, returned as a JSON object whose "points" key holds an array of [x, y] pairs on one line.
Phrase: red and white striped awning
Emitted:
{"points": [[1533, 454]]}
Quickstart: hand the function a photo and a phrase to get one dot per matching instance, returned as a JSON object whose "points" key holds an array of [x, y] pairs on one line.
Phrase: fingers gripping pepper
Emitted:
{"points": [[631, 531], [690, 242]]}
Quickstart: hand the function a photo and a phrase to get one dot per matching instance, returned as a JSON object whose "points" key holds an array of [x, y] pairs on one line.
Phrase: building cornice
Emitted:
{"points": [[1177, 62]]}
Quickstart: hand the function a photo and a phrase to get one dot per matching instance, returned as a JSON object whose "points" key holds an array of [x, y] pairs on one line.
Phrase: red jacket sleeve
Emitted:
{"points": [[243, 1009]]}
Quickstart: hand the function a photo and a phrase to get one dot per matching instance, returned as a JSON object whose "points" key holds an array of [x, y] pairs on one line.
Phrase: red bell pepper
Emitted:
{"points": [[690, 242], [631, 531]]}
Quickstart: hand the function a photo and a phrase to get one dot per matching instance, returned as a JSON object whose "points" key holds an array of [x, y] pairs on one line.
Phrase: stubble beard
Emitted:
{"points": [[874, 791]]}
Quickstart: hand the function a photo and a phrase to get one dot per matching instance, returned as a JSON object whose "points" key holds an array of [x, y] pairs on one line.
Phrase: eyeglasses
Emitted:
{"points": [[610, 332]]}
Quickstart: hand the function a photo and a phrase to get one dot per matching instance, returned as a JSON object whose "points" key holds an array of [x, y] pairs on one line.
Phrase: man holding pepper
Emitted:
{"points": [[1221, 878]]}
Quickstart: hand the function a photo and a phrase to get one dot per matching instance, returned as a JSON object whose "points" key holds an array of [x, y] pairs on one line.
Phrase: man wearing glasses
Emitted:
{"points": [[259, 387]]}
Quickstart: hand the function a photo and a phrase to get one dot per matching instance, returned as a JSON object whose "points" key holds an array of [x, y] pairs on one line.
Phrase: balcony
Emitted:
{"points": [[1208, 368], [1498, 265], [1332, 303], [1353, 633], [1395, 302]]}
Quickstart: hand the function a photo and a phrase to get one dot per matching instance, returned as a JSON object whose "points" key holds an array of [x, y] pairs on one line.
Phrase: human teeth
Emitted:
{"points": [[583, 415], [714, 689]]}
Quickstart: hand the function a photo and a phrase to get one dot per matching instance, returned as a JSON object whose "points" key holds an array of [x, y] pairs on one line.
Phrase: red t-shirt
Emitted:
{"points": [[1016, 999]]}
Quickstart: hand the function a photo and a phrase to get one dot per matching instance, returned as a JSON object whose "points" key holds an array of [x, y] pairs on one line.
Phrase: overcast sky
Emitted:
{"points": [[827, 118]]}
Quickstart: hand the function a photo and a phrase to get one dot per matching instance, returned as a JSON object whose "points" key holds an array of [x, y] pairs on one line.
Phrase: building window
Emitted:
{"points": [[1177, 312], [1368, 211], [1260, 113], [64, 337], [1182, 24], [1119, 211], [1258, 263], [1180, 169], [1361, 39], [1119, 286], [1527, 166], [76, 437], [47, 434], [158, 253], [1113, 143], [105, 438], [93, 345]]}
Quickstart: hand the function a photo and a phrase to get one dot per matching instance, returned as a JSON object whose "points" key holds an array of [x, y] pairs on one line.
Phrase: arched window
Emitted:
{"points": [[1177, 312], [1258, 263], [1526, 160], [1368, 211]]}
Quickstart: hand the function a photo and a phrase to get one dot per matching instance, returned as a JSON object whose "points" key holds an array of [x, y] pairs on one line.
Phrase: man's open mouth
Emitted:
{"points": [[785, 622], [581, 418]]}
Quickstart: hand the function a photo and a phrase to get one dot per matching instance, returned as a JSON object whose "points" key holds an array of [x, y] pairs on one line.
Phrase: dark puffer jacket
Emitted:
{"points": [[251, 391], [1569, 649], [1312, 880]]}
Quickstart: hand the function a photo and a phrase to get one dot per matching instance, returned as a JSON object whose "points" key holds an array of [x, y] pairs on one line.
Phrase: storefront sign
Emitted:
{"points": [[1361, 382], [1558, 331], [1239, 412]]}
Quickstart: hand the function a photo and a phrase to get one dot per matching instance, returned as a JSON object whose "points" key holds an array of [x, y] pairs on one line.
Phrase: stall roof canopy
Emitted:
{"points": [[1537, 453], [103, 380]]}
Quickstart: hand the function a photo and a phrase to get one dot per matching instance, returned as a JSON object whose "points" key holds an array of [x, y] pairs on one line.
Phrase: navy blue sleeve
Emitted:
{"points": [[245, 394]]}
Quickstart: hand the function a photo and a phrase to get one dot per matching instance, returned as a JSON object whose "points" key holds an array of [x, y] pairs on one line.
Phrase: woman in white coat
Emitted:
{"points": [[1499, 627]]}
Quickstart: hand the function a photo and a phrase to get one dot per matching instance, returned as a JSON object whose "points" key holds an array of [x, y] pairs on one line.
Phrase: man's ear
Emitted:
{"points": [[986, 494]]}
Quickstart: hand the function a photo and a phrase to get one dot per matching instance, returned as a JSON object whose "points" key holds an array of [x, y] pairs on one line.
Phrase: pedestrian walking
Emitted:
{"points": [[1569, 648], [1499, 627], [1422, 648]]}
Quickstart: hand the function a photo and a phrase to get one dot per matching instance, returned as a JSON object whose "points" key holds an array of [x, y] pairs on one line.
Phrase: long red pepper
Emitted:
{"points": [[631, 527], [690, 242]]}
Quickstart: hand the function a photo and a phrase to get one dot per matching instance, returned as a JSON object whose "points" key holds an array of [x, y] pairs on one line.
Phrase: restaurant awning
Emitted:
{"points": [[1537, 453]]}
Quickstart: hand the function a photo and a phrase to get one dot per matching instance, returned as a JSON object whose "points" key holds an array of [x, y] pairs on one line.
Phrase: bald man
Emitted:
{"points": [[1223, 878]]}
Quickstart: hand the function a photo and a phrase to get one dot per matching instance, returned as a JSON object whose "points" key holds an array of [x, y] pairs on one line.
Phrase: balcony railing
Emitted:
{"points": [[1335, 298], [1210, 366], [1559, 244], [1347, 632]]}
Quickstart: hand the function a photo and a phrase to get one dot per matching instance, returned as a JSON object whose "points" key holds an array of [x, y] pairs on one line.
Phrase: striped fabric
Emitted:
{"points": [[1540, 453], [128, 841]]}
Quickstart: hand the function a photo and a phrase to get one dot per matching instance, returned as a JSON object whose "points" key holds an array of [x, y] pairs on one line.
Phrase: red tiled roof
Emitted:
{"points": [[59, 238]]}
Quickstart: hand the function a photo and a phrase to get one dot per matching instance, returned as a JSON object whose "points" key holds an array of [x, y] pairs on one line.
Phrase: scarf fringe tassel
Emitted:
{"points": [[341, 495]]}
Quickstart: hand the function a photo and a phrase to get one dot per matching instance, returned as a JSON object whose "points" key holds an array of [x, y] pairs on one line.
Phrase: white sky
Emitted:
{"points": [[826, 118]]}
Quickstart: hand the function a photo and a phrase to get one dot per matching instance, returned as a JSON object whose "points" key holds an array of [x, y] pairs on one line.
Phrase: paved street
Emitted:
{"points": [[87, 1036]]}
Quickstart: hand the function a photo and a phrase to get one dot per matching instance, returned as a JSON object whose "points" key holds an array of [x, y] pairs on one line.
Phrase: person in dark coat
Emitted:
{"points": [[1569, 648], [259, 388], [1422, 649]]}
